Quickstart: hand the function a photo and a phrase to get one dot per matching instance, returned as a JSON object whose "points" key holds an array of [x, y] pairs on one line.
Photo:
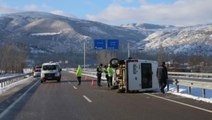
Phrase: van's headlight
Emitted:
{"points": [[57, 74], [42, 75]]}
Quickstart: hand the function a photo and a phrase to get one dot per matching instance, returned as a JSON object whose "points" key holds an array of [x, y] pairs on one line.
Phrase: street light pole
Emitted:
{"points": [[84, 54], [128, 48]]}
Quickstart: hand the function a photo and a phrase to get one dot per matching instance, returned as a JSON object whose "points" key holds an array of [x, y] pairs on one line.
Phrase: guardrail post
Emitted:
{"points": [[168, 86], [203, 93], [189, 90], [178, 88], [4, 83]]}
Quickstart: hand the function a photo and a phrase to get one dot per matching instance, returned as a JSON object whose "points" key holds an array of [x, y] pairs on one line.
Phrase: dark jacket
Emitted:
{"points": [[99, 70], [162, 73]]}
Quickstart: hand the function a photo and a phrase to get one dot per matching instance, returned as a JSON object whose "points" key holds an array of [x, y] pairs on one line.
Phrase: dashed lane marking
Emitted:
{"points": [[90, 101], [75, 87], [181, 103]]}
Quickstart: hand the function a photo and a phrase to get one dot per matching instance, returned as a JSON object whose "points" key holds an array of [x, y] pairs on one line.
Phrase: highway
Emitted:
{"points": [[68, 101]]}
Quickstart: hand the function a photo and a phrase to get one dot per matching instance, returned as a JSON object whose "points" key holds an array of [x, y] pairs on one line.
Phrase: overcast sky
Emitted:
{"points": [[168, 12]]}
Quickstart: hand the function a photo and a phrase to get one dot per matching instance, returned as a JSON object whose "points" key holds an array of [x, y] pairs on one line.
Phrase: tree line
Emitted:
{"points": [[13, 58]]}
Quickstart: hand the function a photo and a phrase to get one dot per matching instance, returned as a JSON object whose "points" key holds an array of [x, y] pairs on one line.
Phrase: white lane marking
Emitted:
{"points": [[87, 98], [75, 87], [181, 103], [18, 100]]}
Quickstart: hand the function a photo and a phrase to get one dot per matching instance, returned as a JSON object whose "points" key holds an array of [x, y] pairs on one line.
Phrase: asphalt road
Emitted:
{"points": [[68, 101]]}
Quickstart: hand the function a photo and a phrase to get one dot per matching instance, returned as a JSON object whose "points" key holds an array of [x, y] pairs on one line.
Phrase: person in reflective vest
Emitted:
{"points": [[110, 75], [106, 74], [79, 74], [99, 71]]}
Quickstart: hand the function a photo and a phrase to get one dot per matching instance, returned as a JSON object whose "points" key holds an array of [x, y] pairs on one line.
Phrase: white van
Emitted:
{"points": [[50, 71]]}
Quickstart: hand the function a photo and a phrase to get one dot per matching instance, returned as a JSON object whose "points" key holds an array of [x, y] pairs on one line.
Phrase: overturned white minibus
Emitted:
{"points": [[135, 75]]}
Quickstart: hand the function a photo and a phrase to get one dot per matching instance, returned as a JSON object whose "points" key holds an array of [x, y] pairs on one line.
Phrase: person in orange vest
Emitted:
{"points": [[79, 74]]}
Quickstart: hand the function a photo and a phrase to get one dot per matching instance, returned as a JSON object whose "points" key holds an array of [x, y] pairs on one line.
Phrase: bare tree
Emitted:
{"points": [[12, 58], [105, 56], [161, 54]]}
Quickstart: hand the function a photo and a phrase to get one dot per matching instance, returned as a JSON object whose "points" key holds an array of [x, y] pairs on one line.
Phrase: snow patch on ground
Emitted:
{"points": [[4, 76], [196, 93], [208, 100]]}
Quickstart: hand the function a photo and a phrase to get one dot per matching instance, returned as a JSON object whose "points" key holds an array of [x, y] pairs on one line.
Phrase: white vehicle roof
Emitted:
{"points": [[50, 63], [141, 60]]}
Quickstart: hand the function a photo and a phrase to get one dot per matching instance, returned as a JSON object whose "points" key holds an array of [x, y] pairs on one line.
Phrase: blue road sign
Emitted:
{"points": [[99, 44], [112, 44]]}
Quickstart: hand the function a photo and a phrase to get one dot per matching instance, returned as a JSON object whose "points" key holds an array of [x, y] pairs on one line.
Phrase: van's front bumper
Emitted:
{"points": [[50, 76]]}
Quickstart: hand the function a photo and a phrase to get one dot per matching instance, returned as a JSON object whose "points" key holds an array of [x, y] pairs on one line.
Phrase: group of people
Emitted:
{"points": [[162, 75], [100, 69], [108, 74]]}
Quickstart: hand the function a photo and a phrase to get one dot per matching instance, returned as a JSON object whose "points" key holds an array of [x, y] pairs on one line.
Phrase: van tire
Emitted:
{"points": [[42, 81]]}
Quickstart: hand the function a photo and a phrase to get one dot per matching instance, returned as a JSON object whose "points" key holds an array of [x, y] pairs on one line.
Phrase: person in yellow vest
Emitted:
{"points": [[79, 74], [106, 75], [110, 75]]}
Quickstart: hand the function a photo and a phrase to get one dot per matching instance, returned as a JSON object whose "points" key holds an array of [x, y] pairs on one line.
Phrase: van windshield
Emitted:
{"points": [[49, 67]]}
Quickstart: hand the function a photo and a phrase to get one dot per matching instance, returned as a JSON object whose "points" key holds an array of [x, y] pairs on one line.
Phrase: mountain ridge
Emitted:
{"points": [[45, 33]]}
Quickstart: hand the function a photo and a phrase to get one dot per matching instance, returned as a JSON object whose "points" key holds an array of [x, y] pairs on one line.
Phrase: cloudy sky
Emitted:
{"points": [[168, 12]]}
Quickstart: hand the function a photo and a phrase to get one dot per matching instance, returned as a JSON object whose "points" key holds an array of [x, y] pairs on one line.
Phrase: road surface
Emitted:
{"points": [[68, 101]]}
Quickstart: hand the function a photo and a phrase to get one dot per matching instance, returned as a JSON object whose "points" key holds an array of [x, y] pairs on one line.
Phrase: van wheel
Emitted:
{"points": [[42, 81], [58, 80]]}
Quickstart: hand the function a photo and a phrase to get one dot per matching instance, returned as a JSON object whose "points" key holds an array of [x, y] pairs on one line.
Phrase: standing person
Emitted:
{"points": [[79, 74], [99, 74], [106, 75], [162, 76], [110, 75]]}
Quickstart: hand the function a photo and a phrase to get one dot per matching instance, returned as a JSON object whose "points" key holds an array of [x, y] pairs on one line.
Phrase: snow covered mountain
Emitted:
{"points": [[146, 28], [45, 33], [192, 40]]}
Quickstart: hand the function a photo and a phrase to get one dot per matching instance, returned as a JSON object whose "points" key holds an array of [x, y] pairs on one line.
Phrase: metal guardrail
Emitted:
{"points": [[7, 81], [188, 74], [192, 80]]}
